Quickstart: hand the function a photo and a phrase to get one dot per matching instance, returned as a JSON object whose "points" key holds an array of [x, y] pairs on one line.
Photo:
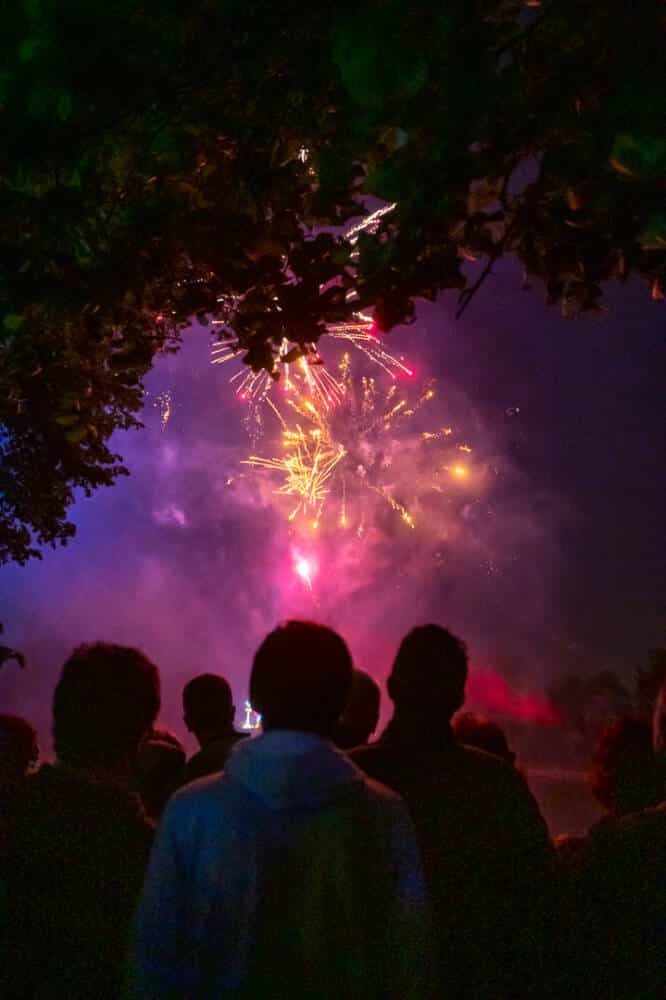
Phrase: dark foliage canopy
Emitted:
{"points": [[163, 161]]}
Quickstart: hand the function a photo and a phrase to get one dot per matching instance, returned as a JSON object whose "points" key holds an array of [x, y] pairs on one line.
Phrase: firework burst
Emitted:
{"points": [[337, 466], [164, 403], [310, 373], [309, 460]]}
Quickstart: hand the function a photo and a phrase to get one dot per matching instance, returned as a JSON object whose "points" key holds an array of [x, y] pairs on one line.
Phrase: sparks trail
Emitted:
{"points": [[163, 402], [309, 371], [307, 465], [334, 464]]}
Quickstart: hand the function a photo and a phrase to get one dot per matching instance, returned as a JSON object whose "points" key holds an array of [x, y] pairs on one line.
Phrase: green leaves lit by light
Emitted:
{"points": [[653, 236], [638, 156], [151, 167], [376, 62]]}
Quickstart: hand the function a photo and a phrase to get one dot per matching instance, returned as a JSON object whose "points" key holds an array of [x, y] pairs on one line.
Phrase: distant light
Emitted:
{"points": [[459, 471], [252, 718]]}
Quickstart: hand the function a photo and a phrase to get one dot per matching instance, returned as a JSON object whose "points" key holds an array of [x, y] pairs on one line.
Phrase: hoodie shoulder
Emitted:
{"points": [[198, 796]]}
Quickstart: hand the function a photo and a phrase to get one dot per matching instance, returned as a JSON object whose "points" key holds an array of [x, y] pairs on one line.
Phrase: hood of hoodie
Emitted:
{"points": [[287, 769]]}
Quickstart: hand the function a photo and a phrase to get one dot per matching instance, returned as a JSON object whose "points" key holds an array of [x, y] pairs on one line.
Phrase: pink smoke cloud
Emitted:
{"points": [[493, 693]]}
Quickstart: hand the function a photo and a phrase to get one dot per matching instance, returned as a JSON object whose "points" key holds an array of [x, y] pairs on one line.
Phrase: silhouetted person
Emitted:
{"points": [[361, 715], [19, 752], [19, 749], [80, 840], [485, 847], [624, 777], [159, 768], [208, 712], [617, 904], [475, 730], [289, 875]]}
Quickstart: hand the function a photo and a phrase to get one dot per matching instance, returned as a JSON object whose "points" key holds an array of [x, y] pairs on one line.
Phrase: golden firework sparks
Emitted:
{"points": [[333, 458], [309, 372]]}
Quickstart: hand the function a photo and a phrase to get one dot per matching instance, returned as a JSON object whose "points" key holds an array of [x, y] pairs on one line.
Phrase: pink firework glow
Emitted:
{"points": [[305, 567], [492, 692]]}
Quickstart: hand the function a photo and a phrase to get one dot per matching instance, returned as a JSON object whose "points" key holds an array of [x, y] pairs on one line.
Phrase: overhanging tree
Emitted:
{"points": [[164, 161]]}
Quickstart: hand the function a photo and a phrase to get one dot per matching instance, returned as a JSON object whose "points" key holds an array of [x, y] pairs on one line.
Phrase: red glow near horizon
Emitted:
{"points": [[493, 693]]}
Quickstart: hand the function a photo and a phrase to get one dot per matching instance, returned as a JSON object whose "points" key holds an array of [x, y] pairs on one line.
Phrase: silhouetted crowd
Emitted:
{"points": [[304, 860]]}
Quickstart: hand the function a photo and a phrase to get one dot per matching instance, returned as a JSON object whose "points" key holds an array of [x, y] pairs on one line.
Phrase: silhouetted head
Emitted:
{"points": [[106, 700], [301, 677], [429, 672], [361, 715], [208, 704], [19, 749], [624, 774], [158, 767], [163, 735], [479, 731]]}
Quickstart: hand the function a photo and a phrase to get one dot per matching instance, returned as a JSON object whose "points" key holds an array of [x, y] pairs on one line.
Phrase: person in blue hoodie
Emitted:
{"points": [[291, 874]]}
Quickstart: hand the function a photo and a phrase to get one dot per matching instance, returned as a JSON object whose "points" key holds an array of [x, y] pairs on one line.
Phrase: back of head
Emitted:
{"points": [[159, 763], [479, 731], [361, 714], [429, 672], [163, 735], [208, 704], [623, 774], [18, 747], [106, 699], [301, 677]]}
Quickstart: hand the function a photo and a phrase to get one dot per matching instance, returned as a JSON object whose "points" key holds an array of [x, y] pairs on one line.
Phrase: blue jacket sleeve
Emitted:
{"points": [[162, 962]]}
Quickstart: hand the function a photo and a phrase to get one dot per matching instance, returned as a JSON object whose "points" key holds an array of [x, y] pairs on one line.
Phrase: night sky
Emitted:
{"points": [[568, 574]]}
